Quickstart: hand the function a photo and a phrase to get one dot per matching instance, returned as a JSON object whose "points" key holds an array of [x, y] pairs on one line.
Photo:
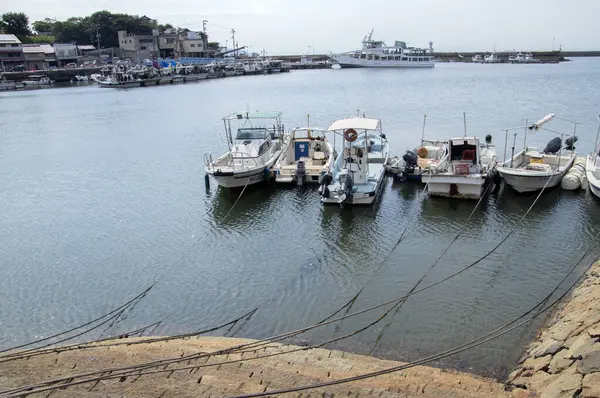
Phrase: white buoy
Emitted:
{"points": [[575, 177]]}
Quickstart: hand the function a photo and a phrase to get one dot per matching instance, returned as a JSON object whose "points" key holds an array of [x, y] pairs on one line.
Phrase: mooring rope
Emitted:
{"points": [[455, 350]]}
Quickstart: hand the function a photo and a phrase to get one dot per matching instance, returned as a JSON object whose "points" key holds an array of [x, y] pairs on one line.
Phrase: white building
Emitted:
{"points": [[11, 51]]}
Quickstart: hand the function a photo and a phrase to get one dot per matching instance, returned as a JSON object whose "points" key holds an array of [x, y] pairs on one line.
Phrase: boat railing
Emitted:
{"points": [[243, 158], [208, 159]]}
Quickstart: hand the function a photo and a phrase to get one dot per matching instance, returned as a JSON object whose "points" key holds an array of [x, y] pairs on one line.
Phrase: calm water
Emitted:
{"points": [[102, 193]]}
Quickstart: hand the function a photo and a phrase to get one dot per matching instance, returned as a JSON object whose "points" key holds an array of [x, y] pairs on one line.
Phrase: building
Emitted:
{"points": [[38, 56], [11, 51], [84, 49], [192, 44], [136, 47], [170, 45], [66, 53]]}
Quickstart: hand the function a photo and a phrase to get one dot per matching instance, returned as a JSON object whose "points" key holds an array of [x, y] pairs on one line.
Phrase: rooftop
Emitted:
{"points": [[10, 39]]}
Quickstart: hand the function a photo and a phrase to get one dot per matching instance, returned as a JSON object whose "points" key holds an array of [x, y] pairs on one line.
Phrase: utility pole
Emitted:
{"points": [[98, 37], [233, 41], [204, 21]]}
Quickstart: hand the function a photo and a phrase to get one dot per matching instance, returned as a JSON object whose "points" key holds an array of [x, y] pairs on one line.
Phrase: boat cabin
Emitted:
{"points": [[465, 156], [255, 135]]}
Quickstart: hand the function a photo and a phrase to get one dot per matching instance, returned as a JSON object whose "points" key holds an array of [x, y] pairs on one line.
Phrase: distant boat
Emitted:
{"points": [[37, 81], [477, 59], [492, 59], [375, 54]]}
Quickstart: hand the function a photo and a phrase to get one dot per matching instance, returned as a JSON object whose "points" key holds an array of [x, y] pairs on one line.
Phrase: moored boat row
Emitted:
{"points": [[460, 167]]}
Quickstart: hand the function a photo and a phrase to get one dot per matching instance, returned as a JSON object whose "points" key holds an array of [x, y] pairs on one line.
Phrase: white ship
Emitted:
{"points": [[375, 54]]}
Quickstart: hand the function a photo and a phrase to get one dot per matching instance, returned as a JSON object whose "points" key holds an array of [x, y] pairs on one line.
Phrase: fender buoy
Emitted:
{"points": [[350, 135], [422, 152]]}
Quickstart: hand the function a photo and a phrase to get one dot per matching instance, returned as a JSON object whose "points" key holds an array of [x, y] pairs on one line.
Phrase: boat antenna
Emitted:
{"points": [[423, 132], [465, 122]]}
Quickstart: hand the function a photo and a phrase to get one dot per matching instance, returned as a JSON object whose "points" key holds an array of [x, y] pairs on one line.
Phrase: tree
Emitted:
{"points": [[2, 26], [16, 23], [45, 26]]}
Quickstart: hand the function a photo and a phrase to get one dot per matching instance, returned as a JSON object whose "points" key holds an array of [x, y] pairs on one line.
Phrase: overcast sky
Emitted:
{"points": [[290, 27]]}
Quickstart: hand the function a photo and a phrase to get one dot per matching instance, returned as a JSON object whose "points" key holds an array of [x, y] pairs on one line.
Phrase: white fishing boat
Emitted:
{"points": [[258, 142], [477, 59], [358, 172], [430, 156], [492, 58], [375, 54], [308, 156], [471, 168], [592, 167], [530, 170], [37, 81]]}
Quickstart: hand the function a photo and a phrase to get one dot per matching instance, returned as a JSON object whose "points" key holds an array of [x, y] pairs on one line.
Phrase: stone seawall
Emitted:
{"points": [[564, 361]]}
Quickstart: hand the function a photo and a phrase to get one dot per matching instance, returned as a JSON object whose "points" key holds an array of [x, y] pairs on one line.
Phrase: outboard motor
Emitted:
{"points": [[324, 182], [410, 160], [301, 173], [553, 146], [346, 183], [570, 143]]}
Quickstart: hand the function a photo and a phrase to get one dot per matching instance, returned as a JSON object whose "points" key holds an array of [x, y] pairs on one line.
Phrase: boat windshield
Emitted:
{"points": [[252, 133]]}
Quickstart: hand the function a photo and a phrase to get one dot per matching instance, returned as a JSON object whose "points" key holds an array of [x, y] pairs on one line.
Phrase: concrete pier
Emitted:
{"points": [[271, 373]]}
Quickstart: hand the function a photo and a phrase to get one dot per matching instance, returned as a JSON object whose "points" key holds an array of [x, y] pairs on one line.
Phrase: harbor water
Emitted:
{"points": [[102, 193]]}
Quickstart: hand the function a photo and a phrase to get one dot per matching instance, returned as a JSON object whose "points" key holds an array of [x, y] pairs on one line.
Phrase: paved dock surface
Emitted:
{"points": [[294, 369]]}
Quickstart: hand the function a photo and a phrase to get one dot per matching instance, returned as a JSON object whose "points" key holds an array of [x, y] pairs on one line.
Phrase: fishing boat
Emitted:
{"points": [[471, 169], [357, 175], [375, 54], [430, 156], [258, 142], [492, 58], [306, 159], [37, 81], [530, 170], [592, 167]]}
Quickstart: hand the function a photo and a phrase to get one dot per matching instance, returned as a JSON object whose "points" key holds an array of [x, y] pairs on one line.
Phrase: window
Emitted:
{"points": [[252, 133], [192, 45], [142, 47], [14, 45], [131, 41], [404, 58]]}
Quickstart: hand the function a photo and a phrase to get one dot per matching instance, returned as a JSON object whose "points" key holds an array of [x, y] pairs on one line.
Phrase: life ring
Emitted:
{"points": [[422, 152], [350, 135]]}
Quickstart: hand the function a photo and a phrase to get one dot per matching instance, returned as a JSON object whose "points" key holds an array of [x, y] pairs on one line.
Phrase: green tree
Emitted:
{"points": [[16, 23], [2, 26], [45, 26]]}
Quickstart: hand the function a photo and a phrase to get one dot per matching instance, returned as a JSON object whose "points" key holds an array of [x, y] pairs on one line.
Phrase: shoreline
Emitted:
{"points": [[563, 361]]}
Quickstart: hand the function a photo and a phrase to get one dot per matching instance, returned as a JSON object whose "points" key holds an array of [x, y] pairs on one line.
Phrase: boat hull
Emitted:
{"points": [[590, 174], [453, 186], [238, 179], [523, 184], [349, 62]]}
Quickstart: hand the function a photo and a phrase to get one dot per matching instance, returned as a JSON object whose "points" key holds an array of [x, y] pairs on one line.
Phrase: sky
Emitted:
{"points": [[323, 26]]}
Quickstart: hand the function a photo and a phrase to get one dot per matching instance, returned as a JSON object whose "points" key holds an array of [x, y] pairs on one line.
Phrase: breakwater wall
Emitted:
{"points": [[564, 361], [64, 75]]}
